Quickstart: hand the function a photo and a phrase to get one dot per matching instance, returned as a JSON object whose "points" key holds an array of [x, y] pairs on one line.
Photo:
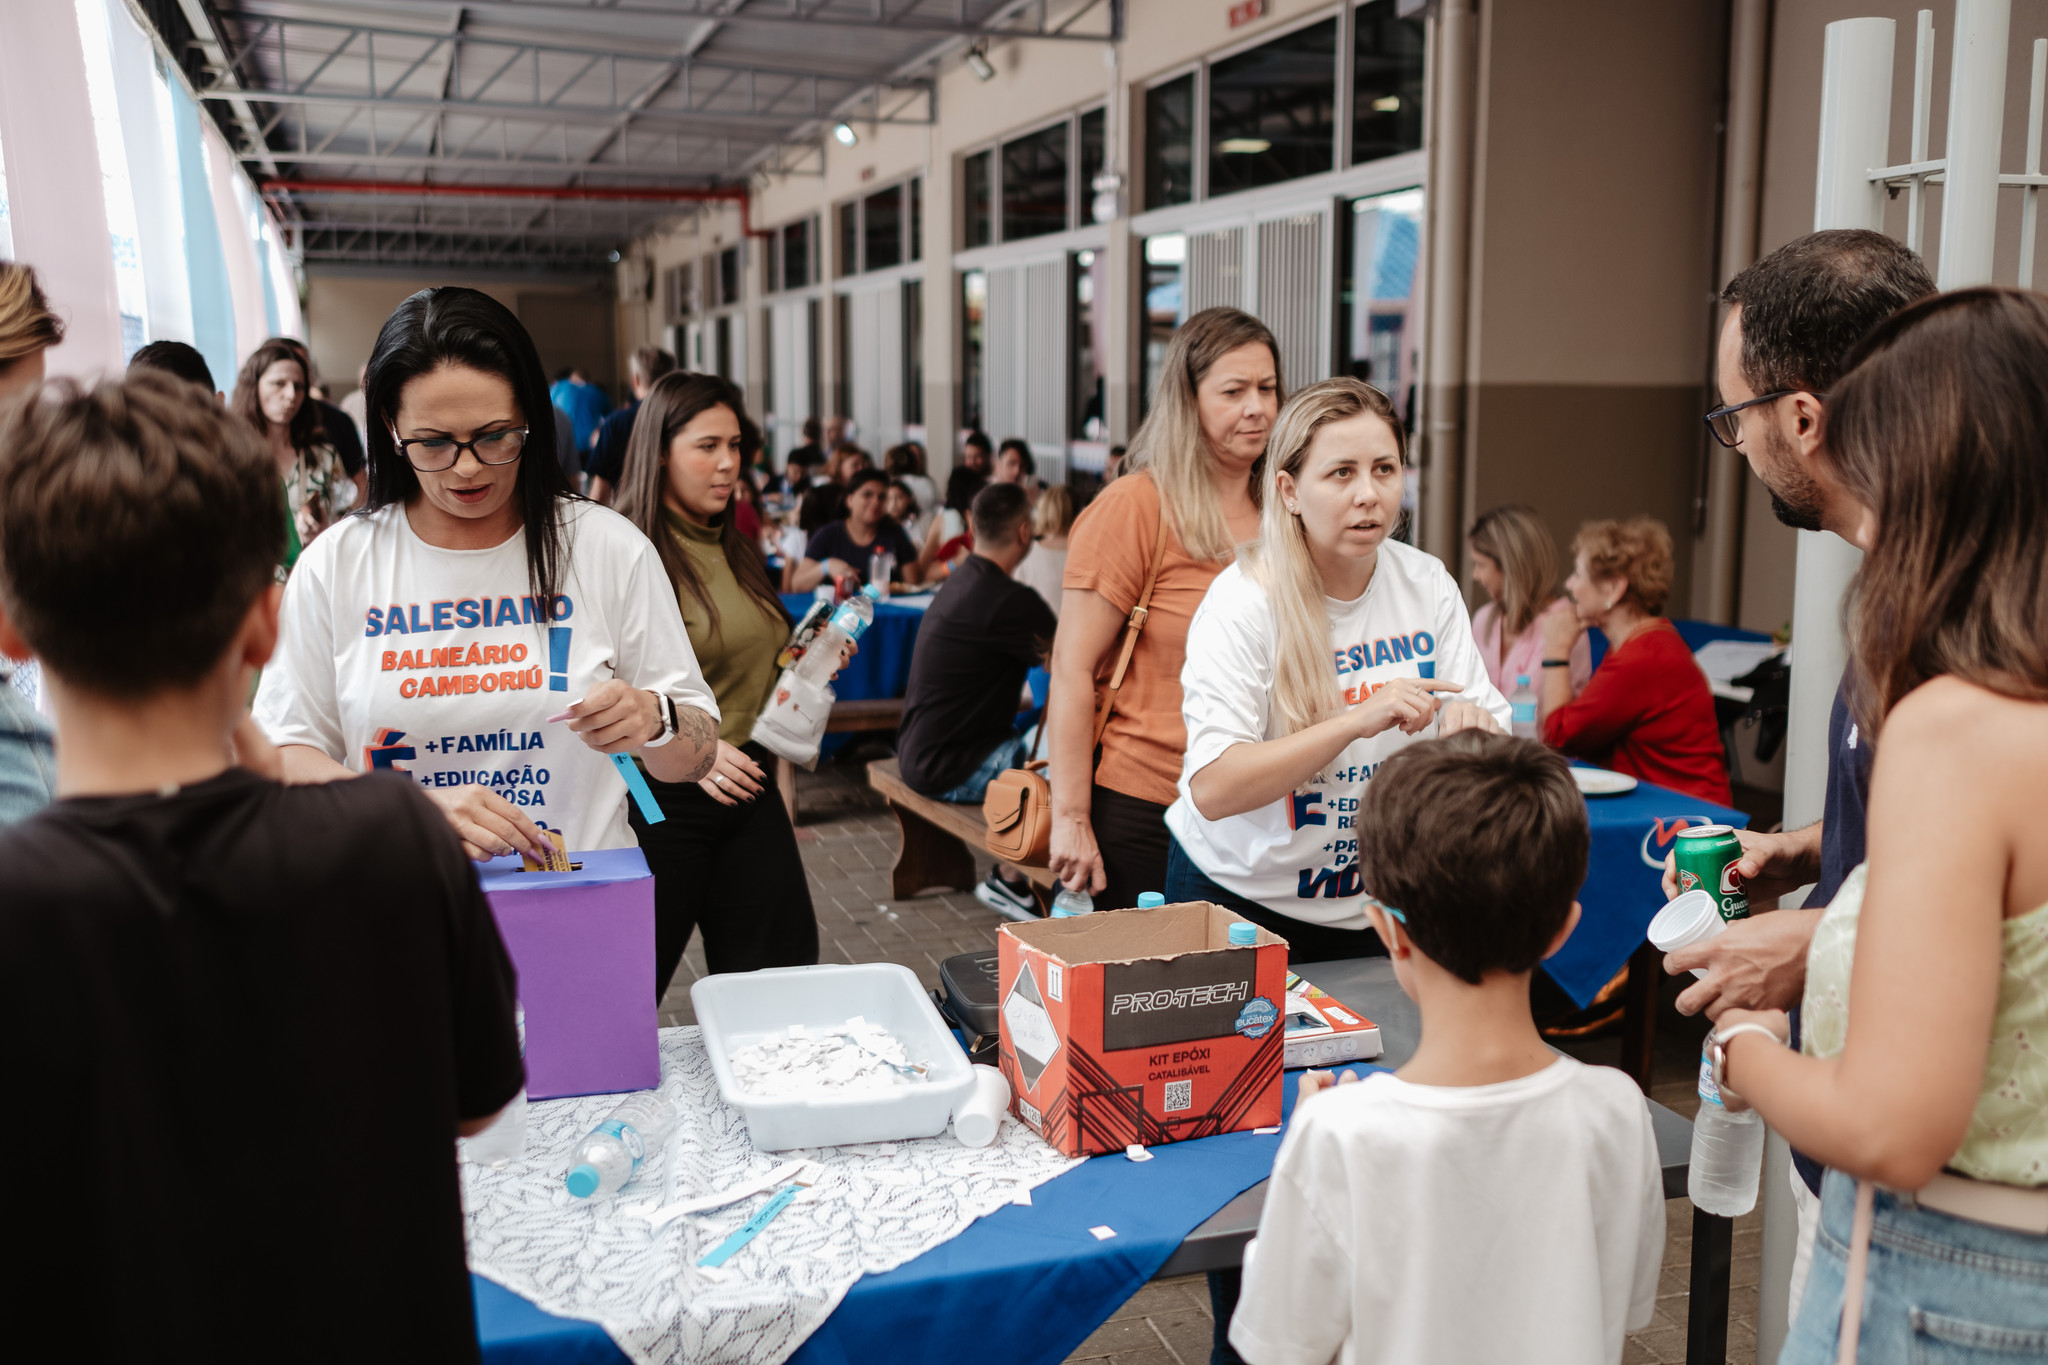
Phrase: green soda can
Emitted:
{"points": [[1706, 860]]}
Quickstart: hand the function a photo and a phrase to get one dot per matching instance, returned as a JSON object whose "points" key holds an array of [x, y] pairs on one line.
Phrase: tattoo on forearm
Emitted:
{"points": [[699, 732]]}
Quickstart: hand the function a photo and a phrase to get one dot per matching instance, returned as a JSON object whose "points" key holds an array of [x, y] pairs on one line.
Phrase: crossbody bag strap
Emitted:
{"points": [[1133, 628]]}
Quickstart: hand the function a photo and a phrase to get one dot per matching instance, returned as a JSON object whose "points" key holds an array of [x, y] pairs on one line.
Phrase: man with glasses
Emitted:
{"points": [[1792, 319]]}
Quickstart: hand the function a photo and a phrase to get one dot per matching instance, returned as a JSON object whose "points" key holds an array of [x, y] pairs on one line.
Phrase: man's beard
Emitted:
{"points": [[1795, 497], [1798, 518]]}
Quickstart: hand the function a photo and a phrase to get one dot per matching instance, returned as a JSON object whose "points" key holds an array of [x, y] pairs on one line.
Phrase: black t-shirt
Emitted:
{"points": [[608, 461], [1844, 813], [834, 542], [981, 635], [1845, 808], [342, 435], [239, 1024]]}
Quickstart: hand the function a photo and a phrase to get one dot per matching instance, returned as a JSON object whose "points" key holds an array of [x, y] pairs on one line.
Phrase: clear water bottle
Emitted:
{"points": [[614, 1150], [1067, 904], [850, 622], [881, 568], [1522, 709], [1727, 1153]]}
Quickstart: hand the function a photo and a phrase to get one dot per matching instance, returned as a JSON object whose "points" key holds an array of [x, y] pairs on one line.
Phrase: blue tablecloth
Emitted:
{"points": [[1624, 880], [1023, 1286], [1694, 633]]}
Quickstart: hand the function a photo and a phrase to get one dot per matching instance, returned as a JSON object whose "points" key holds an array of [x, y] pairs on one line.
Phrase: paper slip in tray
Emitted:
{"points": [[1321, 1031]]}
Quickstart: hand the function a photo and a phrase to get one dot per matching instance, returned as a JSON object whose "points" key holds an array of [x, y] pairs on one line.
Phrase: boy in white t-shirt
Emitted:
{"points": [[1492, 1200]]}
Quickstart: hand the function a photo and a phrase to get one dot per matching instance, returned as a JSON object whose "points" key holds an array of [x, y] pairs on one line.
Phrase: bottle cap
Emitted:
{"points": [[872, 592], [583, 1181], [1150, 900], [1243, 935]]}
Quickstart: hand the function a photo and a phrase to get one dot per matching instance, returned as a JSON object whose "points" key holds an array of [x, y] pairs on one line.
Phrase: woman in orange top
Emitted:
{"points": [[1194, 463]]}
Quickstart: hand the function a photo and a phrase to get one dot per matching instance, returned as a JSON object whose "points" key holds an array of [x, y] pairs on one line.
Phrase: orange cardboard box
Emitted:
{"points": [[1141, 1026]]}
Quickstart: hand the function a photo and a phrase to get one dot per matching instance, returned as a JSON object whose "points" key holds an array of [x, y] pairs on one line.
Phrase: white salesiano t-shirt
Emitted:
{"points": [[440, 663], [1413, 1224], [1298, 856]]}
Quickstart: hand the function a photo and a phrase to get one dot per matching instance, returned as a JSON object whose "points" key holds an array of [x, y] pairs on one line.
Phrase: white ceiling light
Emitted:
{"points": [[1240, 146], [843, 133], [980, 65], [1386, 104]]}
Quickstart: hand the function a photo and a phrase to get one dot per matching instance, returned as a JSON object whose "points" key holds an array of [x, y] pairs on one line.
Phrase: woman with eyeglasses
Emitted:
{"points": [[478, 627]]}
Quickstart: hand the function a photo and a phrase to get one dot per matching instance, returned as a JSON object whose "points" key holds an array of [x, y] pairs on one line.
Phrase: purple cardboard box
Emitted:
{"points": [[584, 946]]}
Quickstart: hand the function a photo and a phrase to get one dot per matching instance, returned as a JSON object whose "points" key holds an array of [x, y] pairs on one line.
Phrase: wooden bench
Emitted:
{"points": [[938, 837], [848, 717]]}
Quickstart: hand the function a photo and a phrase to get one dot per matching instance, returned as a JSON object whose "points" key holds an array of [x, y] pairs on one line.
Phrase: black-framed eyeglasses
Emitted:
{"points": [[432, 454], [1727, 427]]}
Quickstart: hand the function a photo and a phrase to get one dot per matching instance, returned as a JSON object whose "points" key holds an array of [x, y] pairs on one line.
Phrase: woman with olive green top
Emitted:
{"points": [[738, 652], [725, 859]]}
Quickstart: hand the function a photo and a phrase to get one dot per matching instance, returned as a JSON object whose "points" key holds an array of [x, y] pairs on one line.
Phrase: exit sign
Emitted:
{"points": [[1244, 11]]}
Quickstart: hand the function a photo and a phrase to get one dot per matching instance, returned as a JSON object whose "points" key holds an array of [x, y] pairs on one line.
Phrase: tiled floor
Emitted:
{"points": [[848, 840]]}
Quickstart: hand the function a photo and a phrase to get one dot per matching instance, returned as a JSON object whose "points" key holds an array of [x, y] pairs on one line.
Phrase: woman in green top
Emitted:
{"points": [[725, 859]]}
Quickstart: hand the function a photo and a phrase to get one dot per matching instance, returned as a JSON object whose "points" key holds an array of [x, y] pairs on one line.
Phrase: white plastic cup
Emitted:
{"points": [[1691, 918], [980, 1115]]}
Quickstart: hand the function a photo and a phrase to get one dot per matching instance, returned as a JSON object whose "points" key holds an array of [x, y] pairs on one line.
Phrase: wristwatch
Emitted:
{"points": [[1717, 1050], [667, 708]]}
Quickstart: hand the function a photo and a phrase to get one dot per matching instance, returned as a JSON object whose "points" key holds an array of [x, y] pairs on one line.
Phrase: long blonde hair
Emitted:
{"points": [[1171, 445], [1304, 685], [1514, 537], [26, 323]]}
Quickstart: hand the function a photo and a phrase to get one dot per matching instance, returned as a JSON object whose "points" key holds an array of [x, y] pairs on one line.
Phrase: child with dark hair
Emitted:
{"points": [[213, 977], [1492, 1199]]}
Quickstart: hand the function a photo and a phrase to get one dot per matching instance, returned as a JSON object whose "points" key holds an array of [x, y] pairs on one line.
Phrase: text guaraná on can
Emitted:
{"points": [[1706, 857]]}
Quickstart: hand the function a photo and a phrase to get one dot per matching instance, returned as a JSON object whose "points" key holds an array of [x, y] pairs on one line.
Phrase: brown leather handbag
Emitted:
{"points": [[1017, 807]]}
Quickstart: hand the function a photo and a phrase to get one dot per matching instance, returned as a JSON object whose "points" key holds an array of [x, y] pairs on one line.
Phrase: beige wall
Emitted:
{"points": [[1592, 261], [571, 323]]}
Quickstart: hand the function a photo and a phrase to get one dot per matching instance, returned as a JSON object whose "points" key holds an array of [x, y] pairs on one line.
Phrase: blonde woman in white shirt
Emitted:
{"points": [[1326, 648], [479, 628]]}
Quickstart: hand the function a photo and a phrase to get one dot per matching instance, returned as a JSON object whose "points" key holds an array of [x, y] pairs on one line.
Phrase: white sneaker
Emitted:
{"points": [[1007, 900]]}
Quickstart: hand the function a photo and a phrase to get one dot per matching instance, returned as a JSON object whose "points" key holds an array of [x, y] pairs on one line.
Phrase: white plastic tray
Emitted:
{"points": [[737, 1009]]}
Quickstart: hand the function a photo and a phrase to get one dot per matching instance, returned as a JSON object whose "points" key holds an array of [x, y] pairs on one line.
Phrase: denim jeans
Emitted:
{"points": [[1941, 1290], [28, 763], [1011, 753]]}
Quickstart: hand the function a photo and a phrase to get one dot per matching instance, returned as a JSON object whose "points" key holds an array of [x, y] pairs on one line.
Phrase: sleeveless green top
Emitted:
{"points": [[2008, 1136]]}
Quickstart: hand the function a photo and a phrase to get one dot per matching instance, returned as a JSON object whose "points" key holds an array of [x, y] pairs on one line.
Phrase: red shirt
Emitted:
{"points": [[1647, 712]]}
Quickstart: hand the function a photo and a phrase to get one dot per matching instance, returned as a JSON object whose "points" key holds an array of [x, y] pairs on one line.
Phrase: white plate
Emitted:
{"points": [[1600, 782]]}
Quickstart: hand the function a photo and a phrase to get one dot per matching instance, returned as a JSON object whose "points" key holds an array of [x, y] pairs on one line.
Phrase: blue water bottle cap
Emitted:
{"points": [[1521, 679], [1243, 935], [583, 1181], [1150, 900], [872, 592]]}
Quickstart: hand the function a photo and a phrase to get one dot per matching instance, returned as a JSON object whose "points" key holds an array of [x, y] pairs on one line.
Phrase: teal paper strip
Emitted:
{"points": [[643, 795]]}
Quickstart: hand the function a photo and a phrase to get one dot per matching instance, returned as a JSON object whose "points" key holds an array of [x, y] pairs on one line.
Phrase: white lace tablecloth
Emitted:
{"points": [[880, 1204]]}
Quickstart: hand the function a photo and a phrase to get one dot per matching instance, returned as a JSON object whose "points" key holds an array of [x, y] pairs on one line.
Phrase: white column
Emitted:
{"points": [[1855, 139], [1976, 118]]}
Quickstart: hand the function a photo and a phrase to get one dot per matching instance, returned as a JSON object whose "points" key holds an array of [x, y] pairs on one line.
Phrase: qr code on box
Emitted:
{"points": [[1179, 1095]]}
